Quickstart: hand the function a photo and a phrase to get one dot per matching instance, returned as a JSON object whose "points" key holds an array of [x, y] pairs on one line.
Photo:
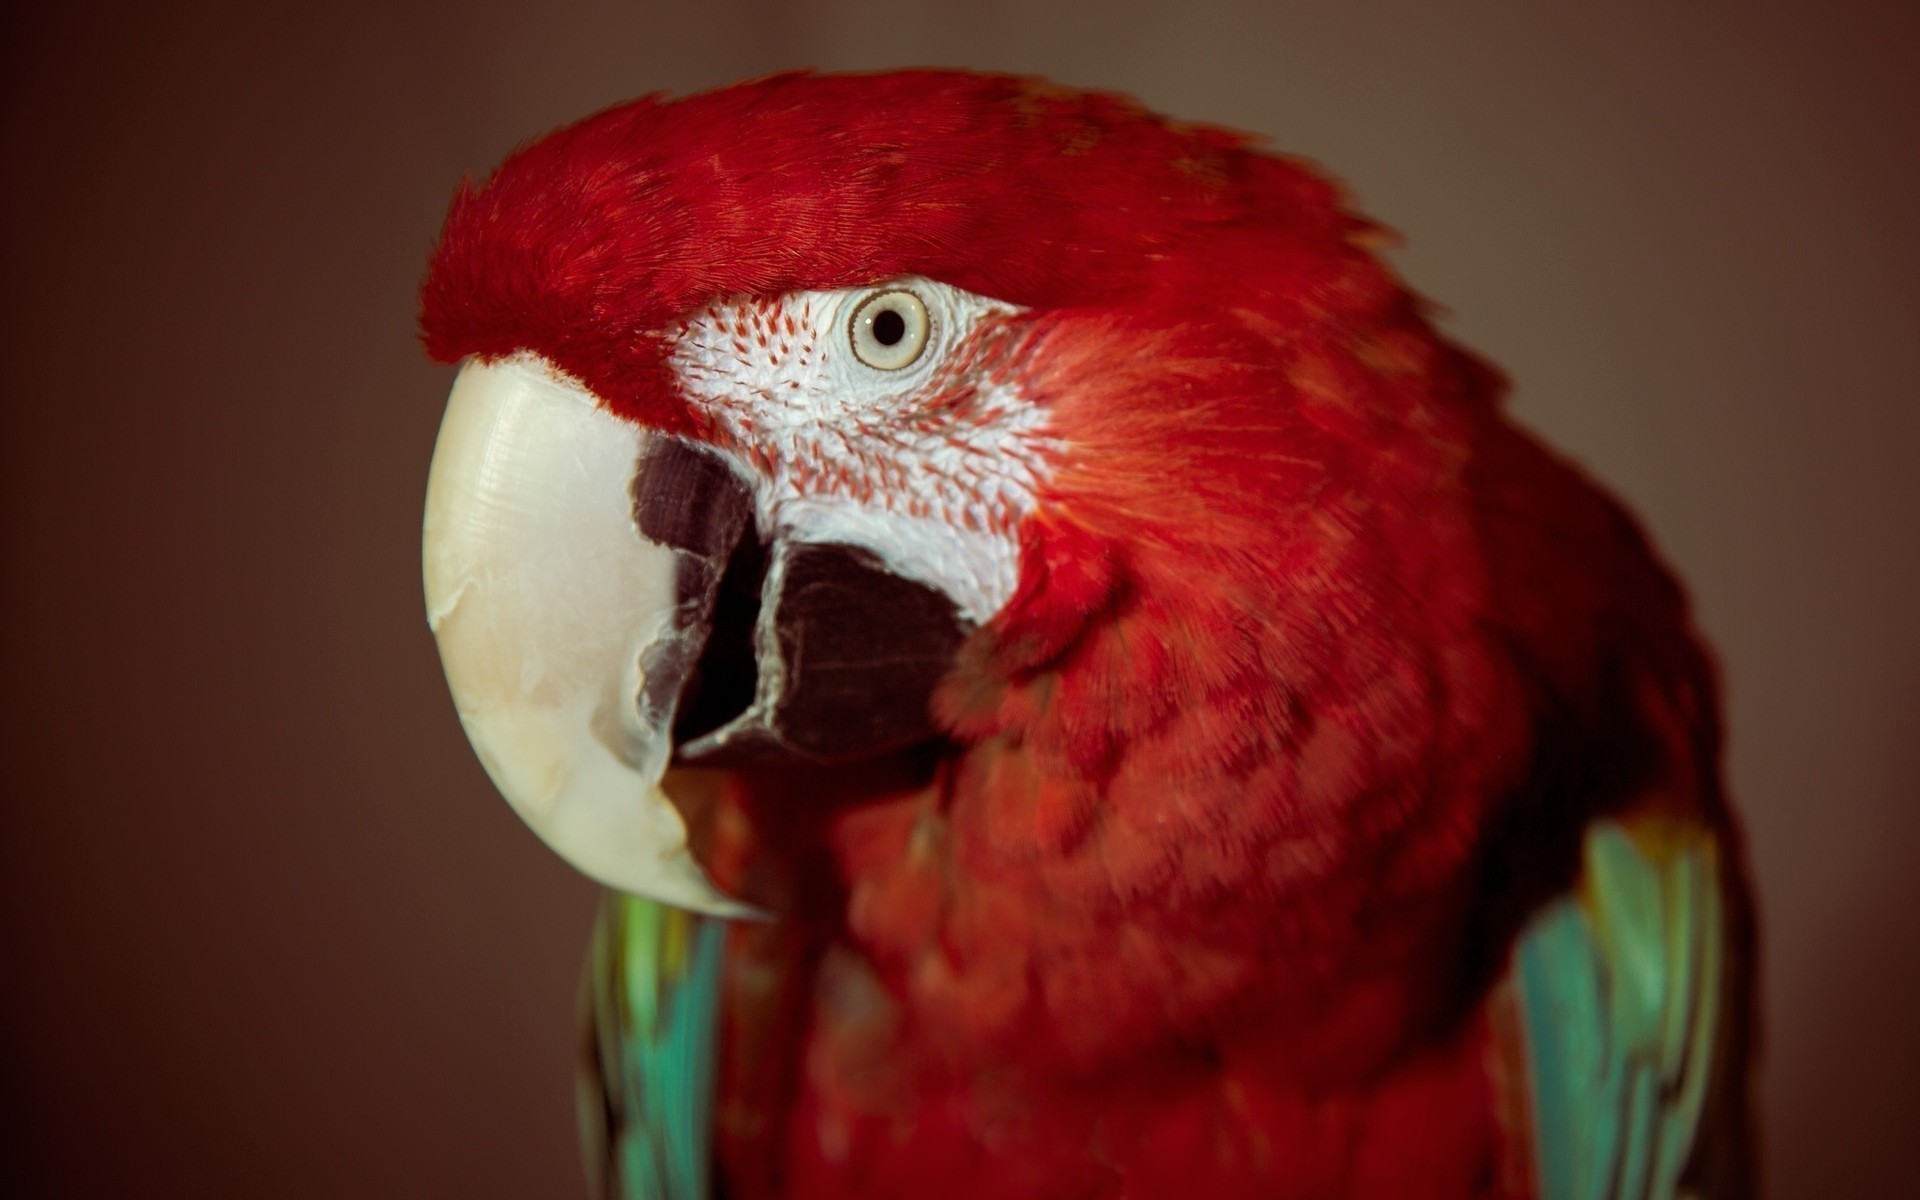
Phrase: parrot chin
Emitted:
{"points": [[605, 607]]}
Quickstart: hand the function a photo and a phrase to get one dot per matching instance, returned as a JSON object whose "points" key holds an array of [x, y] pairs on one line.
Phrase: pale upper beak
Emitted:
{"points": [[548, 606]]}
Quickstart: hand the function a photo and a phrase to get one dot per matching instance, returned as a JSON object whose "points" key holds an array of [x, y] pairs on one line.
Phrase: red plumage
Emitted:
{"points": [[1316, 669], [594, 240]]}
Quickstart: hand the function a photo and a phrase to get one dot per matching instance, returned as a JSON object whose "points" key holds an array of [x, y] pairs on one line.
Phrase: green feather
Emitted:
{"points": [[1620, 990], [650, 1007]]}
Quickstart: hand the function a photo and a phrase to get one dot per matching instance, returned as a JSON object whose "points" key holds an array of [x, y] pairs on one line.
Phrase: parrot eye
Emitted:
{"points": [[889, 330]]}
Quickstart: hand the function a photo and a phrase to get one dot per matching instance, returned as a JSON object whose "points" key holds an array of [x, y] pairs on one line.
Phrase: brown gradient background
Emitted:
{"points": [[264, 927]]}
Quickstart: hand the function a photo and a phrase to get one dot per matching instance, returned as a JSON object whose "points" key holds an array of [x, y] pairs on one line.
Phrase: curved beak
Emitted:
{"points": [[554, 615], [605, 608]]}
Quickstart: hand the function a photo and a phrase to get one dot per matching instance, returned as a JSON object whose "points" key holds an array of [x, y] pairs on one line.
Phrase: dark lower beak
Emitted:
{"points": [[814, 652]]}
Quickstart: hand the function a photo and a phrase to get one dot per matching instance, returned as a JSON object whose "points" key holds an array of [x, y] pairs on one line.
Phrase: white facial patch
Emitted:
{"points": [[930, 466]]}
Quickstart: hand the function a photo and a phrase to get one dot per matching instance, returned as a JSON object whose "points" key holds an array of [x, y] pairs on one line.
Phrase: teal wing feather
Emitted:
{"points": [[650, 1009], [1622, 991]]}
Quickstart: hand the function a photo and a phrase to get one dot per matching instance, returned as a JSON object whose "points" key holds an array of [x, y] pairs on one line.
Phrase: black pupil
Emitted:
{"points": [[889, 327]]}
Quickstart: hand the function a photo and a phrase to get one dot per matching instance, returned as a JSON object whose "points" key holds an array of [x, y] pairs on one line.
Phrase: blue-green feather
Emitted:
{"points": [[1619, 989], [651, 1010]]}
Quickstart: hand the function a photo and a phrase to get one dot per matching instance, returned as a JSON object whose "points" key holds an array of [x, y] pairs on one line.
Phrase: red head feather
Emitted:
{"points": [[588, 244]]}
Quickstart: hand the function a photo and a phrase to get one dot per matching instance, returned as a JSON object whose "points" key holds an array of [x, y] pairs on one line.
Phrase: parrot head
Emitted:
{"points": [[822, 417]]}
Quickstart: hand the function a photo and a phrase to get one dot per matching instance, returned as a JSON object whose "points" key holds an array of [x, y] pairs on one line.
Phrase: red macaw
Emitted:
{"points": [[1077, 688]]}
